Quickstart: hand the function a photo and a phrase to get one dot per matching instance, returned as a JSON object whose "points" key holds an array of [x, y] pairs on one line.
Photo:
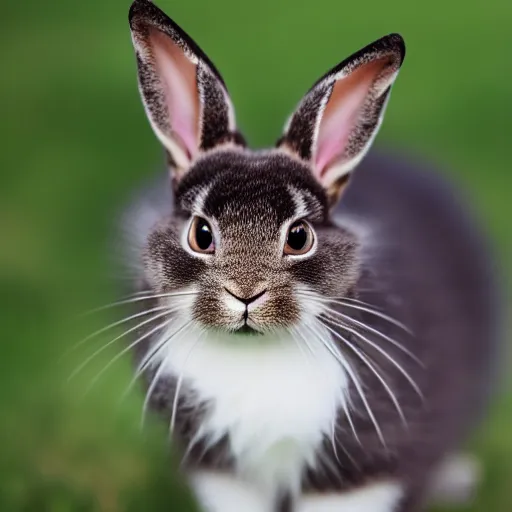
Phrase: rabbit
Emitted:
{"points": [[323, 319]]}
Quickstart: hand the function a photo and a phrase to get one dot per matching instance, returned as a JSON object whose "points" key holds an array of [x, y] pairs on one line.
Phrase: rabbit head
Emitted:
{"points": [[250, 233]]}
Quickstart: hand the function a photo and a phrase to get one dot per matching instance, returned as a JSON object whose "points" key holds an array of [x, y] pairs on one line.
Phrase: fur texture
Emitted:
{"points": [[303, 376], [267, 396], [378, 497]]}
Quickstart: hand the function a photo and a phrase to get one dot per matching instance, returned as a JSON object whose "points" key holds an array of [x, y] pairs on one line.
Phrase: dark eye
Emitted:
{"points": [[200, 236], [300, 238]]}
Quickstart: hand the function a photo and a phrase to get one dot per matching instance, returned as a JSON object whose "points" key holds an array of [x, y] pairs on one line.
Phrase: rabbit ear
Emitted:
{"points": [[337, 120], [184, 96]]}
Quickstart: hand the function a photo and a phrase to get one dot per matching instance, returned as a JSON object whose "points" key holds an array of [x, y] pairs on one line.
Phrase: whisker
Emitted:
{"points": [[111, 342], [150, 390], [328, 344], [329, 469], [144, 364], [306, 342], [298, 344], [158, 372], [346, 410], [333, 439], [345, 451], [124, 351], [380, 315], [191, 444], [361, 302], [379, 349], [334, 299], [175, 402], [137, 299], [111, 326], [376, 332], [390, 319], [344, 404], [373, 370], [140, 292]]}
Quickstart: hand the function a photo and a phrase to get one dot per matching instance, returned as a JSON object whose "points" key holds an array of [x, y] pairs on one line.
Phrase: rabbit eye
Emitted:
{"points": [[200, 236], [299, 239]]}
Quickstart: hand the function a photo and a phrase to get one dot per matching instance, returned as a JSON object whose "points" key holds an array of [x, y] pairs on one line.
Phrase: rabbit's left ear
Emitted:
{"points": [[335, 123], [185, 98]]}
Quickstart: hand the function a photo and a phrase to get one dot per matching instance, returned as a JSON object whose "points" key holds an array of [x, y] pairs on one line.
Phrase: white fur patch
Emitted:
{"points": [[276, 401], [456, 480], [381, 497], [224, 493]]}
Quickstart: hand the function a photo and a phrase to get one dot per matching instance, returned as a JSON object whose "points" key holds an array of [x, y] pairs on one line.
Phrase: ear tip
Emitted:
{"points": [[144, 14], [399, 43], [136, 9], [394, 42], [141, 10]]}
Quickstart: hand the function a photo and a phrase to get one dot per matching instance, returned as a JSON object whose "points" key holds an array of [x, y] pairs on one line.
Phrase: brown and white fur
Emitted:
{"points": [[332, 379]]}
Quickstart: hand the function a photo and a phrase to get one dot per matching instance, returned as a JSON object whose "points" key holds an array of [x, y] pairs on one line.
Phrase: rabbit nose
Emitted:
{"points": [[248, 300]]}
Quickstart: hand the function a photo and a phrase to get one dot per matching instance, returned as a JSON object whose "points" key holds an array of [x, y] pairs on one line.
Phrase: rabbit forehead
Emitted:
{"points": [[246, 187]]}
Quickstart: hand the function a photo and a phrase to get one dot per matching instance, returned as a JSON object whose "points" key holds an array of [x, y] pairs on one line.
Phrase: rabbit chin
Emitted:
{"points": [[276, 400]]}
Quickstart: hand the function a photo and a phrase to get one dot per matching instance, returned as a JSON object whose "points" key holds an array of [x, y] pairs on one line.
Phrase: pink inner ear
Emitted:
{"points": [[341, 114], [178, 76]]}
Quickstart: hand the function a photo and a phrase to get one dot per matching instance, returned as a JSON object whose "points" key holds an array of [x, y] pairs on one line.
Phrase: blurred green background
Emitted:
{"points": [[76, 143]]}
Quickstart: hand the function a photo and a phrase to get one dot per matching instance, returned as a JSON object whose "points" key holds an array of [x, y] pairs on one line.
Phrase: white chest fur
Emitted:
{"points": [[275, 401]]}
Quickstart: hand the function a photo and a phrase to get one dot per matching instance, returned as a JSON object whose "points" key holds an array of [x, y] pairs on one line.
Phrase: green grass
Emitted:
{"points": [[75, 143]]}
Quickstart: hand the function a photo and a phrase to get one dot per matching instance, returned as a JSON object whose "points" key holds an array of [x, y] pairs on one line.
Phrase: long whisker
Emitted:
{"points": [[191, 444], [149, 392], [298, 344], [346, 410], [146, 361], [158, 372], [344, 405], [140, 292], [372, 368], [330, 469], [379, 349], [111, 326], [345, 451], [374, 331], [358, 301], [127, 349], [349, 299], [131, 300], [117, 338], [179, 382], [328, 344], [390, 319], [333, 439], [306, 341]]}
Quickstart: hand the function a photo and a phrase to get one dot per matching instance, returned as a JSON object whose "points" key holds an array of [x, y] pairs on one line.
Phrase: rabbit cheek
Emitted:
{"points": [[334, 268], [167, 266]]}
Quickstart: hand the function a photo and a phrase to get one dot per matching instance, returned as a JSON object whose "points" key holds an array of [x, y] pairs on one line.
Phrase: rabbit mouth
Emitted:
{"points": [[247, 329]]}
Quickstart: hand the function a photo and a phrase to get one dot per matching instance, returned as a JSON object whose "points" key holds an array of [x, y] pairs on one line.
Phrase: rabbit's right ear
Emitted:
{"points": [[337, 120], [184, 96]]}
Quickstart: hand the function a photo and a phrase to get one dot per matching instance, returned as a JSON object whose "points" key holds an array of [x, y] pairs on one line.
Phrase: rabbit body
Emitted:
{"points": [[326, 342], [264, 419]]}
